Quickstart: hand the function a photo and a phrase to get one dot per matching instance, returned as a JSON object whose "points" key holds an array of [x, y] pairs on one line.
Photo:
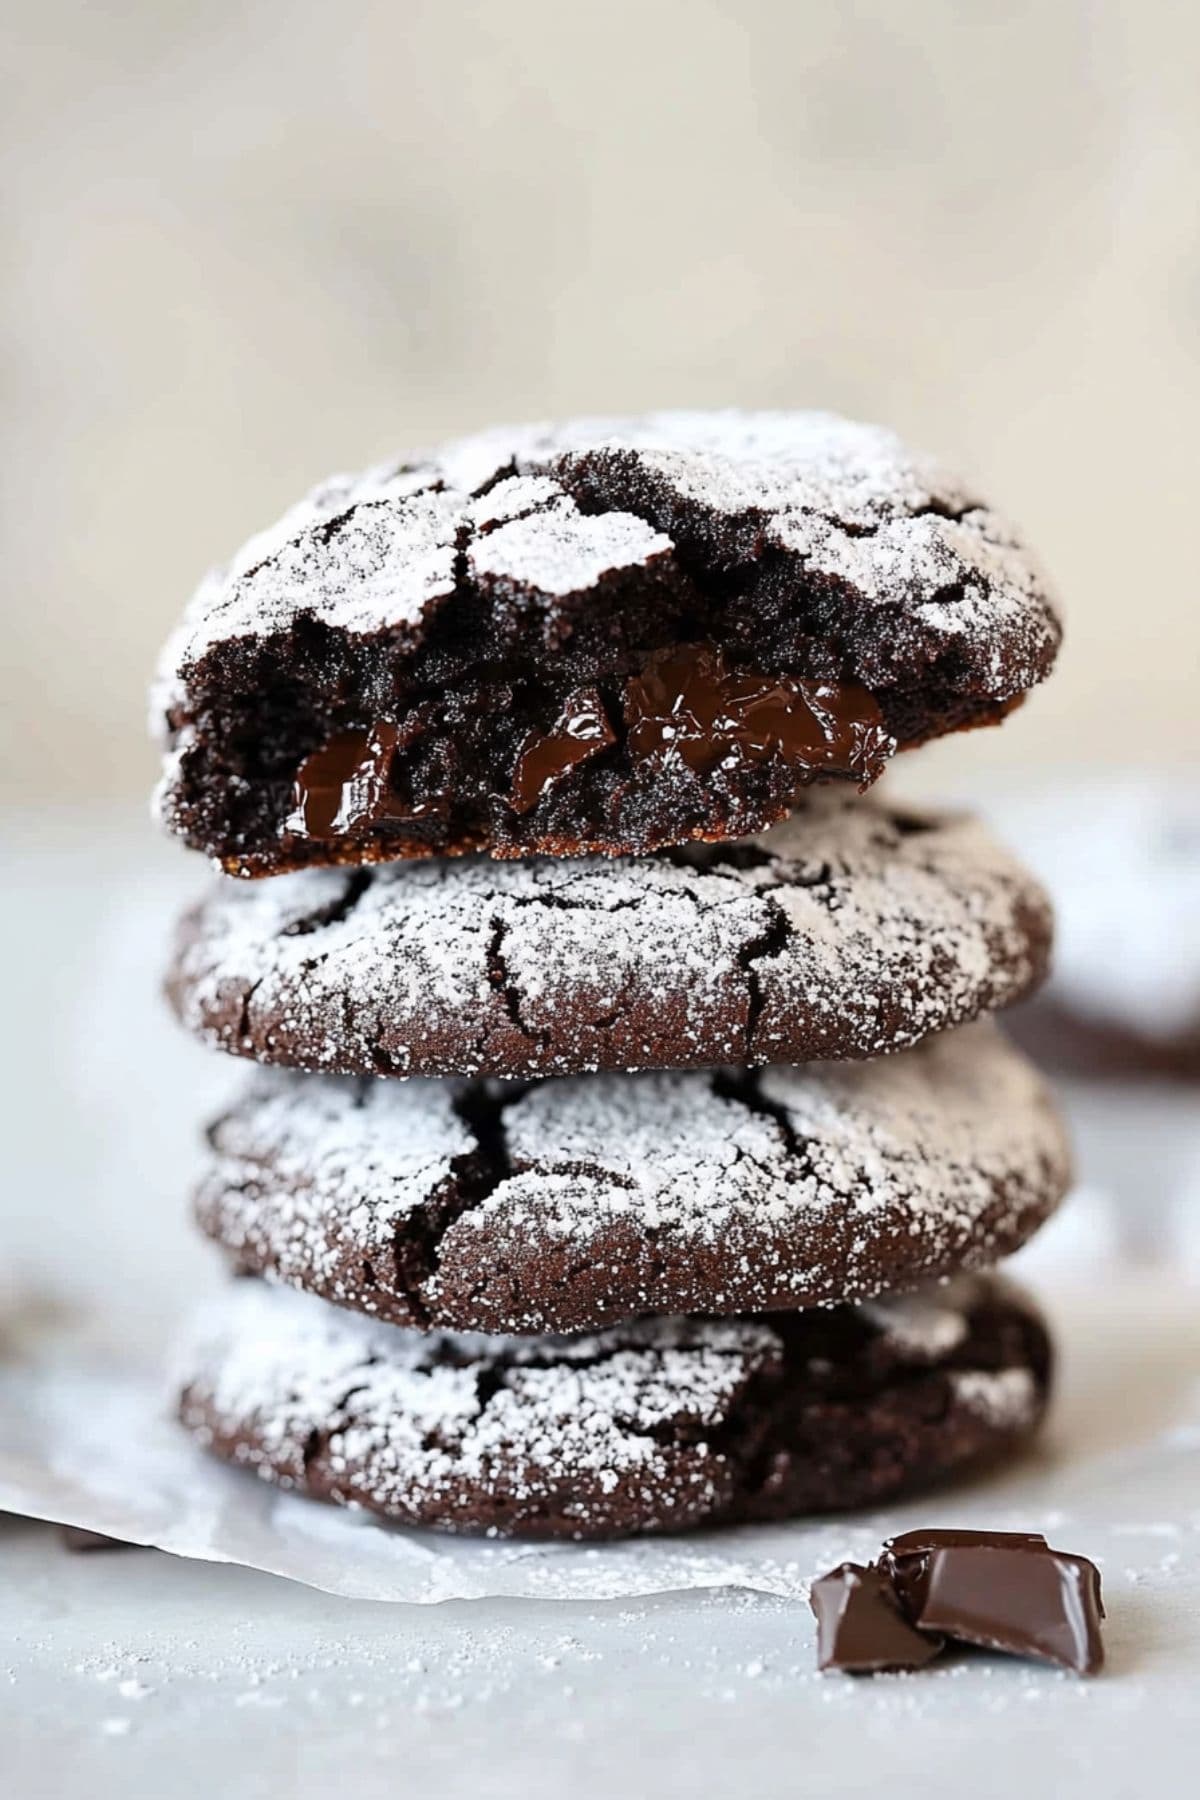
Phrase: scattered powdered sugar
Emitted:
{"points": [[851, 929], [849, 501]]}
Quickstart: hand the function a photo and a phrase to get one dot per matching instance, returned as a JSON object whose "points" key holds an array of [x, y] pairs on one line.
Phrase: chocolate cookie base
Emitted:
{"points": [[660, 1426], [575, 1204], [851, 930]]}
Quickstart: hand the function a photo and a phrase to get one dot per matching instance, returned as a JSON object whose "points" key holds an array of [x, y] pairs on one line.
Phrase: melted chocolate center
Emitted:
{"points": [[344, 788], [581, 731], [687, 704], [343, 785]]}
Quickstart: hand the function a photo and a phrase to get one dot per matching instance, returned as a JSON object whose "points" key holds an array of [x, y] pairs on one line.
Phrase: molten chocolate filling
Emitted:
{"points": [[580, 731], [687, 704], [684, 706], [345, 788]]}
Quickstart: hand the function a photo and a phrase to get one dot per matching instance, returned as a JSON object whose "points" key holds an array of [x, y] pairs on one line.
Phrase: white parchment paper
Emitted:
{"points": [[87, 1439]]}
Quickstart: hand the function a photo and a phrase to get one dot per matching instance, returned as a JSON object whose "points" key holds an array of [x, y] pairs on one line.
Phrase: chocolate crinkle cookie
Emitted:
{"points": [[1122, 856], [613, 635], [568, 1205], [661, 1425], [851, 929]]}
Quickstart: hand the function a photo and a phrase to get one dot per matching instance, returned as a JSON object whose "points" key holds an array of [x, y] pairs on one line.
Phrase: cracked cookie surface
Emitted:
{"points": [[851, 929], [572, 1204], [611, 635], [660, 1425]]}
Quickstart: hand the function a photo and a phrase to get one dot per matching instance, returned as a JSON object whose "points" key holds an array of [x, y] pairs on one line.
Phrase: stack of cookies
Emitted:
{"points": [[627, 1144]]}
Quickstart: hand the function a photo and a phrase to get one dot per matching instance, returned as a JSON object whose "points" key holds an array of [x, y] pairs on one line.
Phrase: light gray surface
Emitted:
{"points": [[134, 1674], [139, 1675]]}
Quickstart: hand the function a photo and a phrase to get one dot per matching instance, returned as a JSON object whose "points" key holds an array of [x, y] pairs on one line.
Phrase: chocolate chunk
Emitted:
{"points": [[581, 731], [344, 786], [686, 704], [77, 1539], [1001, 1590], [860, 1627]]}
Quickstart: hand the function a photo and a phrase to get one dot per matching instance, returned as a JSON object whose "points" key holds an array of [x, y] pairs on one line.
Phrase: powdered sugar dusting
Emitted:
{"points": [[931, 1132], [854, 929], [558, 550], [640, 1193], [341, 1160], [439, 1426], [849, 501], [406, 1411]]}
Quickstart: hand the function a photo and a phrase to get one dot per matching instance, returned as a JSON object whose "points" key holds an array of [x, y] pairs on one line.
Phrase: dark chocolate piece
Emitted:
{"points": [[688, 705], [860, 1627], [1001, 1590], [344, 789], [581, 730]]}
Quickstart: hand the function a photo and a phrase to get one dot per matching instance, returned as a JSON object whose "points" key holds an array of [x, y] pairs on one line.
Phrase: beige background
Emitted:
{"points": [[244, 243]]}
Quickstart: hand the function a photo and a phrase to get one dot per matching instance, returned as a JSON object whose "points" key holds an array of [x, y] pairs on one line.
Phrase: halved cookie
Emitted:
{"points": [[613, 634]]}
